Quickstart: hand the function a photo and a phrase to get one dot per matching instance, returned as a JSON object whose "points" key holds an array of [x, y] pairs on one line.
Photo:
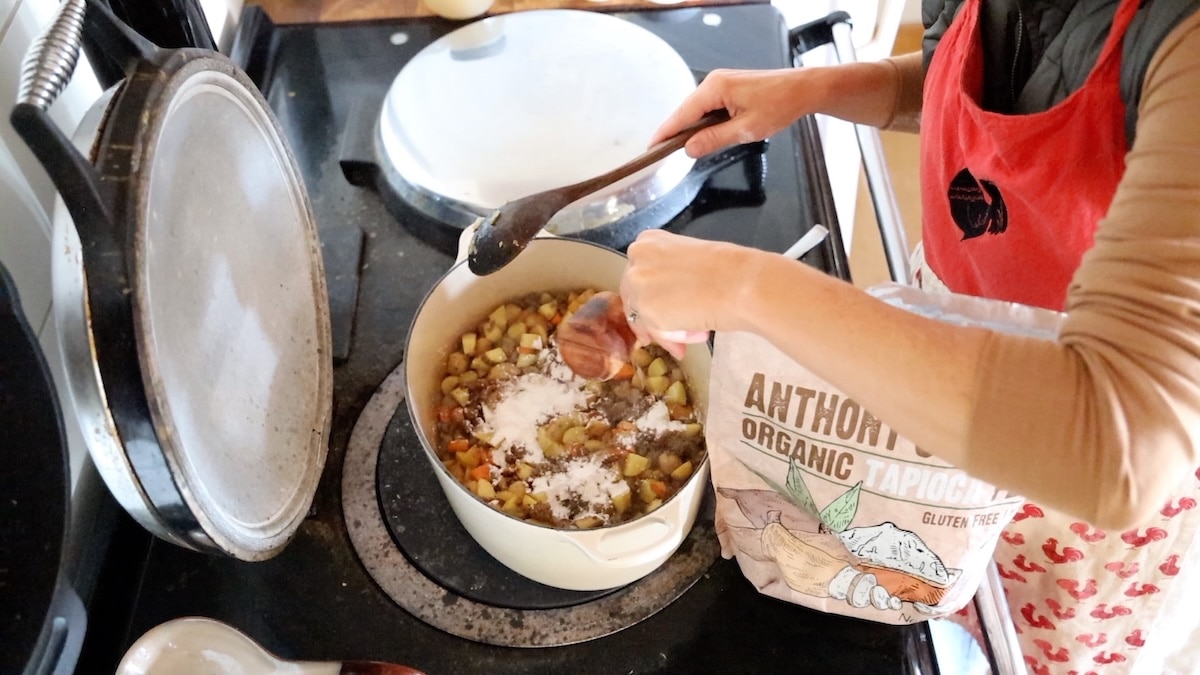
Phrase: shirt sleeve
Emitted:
{"points": [[1104, 422], [910, 82]]}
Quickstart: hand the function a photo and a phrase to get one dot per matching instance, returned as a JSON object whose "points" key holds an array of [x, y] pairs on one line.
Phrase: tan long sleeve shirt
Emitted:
{"points": [[1105, 421]]}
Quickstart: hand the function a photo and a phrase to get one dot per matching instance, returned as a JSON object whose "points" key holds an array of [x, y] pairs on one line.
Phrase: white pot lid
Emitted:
{"points": [[524, 102]]}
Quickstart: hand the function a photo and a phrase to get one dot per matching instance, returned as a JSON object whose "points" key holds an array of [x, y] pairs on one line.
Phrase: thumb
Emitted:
{"points": [[716, 137]]}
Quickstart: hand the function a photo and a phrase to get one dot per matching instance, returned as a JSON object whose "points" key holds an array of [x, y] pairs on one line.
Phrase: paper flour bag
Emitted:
{"points": [[825, 506]]}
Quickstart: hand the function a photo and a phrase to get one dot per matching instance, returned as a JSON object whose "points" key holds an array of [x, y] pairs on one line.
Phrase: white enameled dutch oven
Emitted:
{"points": [[583, 560]]}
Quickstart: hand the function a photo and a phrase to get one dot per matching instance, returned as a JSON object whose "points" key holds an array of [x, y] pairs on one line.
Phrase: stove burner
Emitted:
{"points": [[559, 617]]}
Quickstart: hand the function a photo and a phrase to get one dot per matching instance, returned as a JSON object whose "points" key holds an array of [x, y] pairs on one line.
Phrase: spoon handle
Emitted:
{"points": [[654, 154]]}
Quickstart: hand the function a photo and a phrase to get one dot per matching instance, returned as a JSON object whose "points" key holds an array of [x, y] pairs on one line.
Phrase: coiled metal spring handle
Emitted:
{"points": [[52, 58]]}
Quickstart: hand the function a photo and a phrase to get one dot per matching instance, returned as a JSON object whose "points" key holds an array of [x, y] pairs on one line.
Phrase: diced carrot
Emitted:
{"points": [[556, 319], [659, 487], [458, 445], [625, 373], [443, 414], [484, 471], [526, 350]]}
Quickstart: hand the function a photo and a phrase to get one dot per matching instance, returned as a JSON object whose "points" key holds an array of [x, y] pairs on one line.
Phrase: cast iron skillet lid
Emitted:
{"points": [[205, 290], [519, 103]]}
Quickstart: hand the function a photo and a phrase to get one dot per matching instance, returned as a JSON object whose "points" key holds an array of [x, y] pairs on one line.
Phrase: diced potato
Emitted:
{"points": [[622, 501], [469, 458], [658, 384], [493, 333], [646, 491], [574, 435], [484, 489], [679, 412], [693, 429], [676, 393], [479, 362], [640, 357], [657, 367], [468, 377], [531, 341], [449, 383], [482, 435], [460, 395], [548, 309], [635, 464], [668, 462], [456, 363], [683, 471], [528, 501], [499, 316], [588, 522], [513, 311], [496, 355], [527, 360], [504, 495], [503, 371], [518, 488], [516, 330], [524, 471], [540, 496], [512, 506], [653, 505], [468, 343], [594, 445]]}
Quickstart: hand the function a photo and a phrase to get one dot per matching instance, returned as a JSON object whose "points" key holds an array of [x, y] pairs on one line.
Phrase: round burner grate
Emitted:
{"points": [[484, 615]]}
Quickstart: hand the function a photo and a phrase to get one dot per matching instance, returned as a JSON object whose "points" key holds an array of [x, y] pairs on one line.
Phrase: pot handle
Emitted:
{"points": [[648, 539]]}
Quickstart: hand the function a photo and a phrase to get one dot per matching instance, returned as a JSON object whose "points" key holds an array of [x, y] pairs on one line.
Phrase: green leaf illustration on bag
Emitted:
{"points": [[840, 512], [798, 492]]}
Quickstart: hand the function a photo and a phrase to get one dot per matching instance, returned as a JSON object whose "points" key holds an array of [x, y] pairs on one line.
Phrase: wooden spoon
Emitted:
{"points": [[595, 340], [507, 230]]}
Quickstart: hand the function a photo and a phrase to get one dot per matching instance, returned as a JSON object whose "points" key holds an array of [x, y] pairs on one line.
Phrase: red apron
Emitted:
{"points": [[1011, 202]]}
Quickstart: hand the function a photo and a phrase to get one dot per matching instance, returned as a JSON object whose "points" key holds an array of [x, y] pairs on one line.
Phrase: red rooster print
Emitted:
{"points": [[1092, 640], [1105, 657], [1029, 511], [1059, 611], [1137, 590], [1088, 534], [1136, 638], [1103, 612], [1013, 538], [1170, 566], [1136, 540], [1171, 510], [1036, 621], [1027, 566], [1068, 554], [1073, 588], [1123, 570], [1007, 574], [1057, 655]]}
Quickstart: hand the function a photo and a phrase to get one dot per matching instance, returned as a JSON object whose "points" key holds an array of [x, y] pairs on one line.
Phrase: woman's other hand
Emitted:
{"points": [[760, 103], [681, 285]]}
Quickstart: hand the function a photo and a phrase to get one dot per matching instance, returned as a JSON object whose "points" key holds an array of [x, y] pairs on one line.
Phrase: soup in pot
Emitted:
{"points": [[531, 438]]}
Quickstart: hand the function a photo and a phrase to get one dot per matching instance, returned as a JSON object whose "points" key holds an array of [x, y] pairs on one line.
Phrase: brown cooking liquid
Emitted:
{"points": [[596, 340]]}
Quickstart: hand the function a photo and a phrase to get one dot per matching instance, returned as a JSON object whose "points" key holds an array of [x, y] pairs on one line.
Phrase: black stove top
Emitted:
{"points": [[316, 600]]}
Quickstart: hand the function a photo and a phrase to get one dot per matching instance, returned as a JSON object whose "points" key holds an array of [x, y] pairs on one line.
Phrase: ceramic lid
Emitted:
{"points": [[524, 102], [229, 306]]}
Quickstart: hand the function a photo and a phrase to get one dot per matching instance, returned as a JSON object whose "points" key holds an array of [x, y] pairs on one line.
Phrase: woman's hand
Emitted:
{"points": [[760, 103], [679, 285]]}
